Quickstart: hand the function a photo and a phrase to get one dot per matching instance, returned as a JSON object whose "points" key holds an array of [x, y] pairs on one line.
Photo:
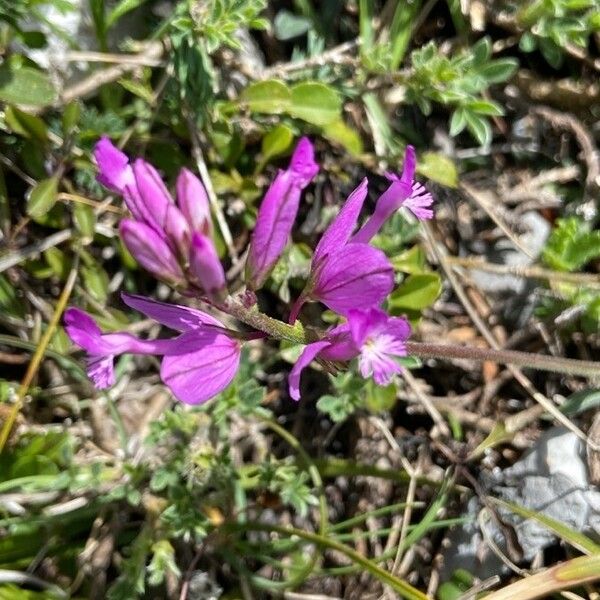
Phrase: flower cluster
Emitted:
{"points": [[173, 241]]}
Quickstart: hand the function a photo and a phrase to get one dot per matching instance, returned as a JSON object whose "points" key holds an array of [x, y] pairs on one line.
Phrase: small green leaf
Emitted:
{"points": [[458, 121], [96, 281], [527, 43], [315, 103], [42, 197], [70, 116], [338, 131], [479, 128], [85, 220], [437, 167], [580, 402], [276, 142], [379, 398], [288, 25], [499, 70], [416, 293], [26, 124], [58, 261], [410, 261], [25, 85], [271, 97], [484, 107]]}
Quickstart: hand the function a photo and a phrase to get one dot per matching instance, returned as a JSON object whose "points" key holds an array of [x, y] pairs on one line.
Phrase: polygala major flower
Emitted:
{"points": [[277, 214], [171, 241], [197, 364], [346, 275], [371, 335]]}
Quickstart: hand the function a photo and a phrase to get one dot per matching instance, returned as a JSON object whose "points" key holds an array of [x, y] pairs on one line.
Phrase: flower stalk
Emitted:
{"points": [[298, 334]]}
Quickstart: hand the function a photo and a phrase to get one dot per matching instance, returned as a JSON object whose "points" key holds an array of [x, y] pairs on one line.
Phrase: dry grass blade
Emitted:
{"points": [[572, 573], [39, 354]]}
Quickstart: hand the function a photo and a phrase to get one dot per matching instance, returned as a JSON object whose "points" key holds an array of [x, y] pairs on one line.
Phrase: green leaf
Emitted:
{"points": [[58, 261], [42, 197], [571, 245], [288, 25], [26, 124], [275, 143], [339, 132], [484, 107], [416, 293], [96, 281], [527, 43], [437, 167], [26, 86], [580, 402], [458, 121], [315, 103], [479, 128], [271, 97], [121, 9], [499, 70], [85, 220], [412, 260], [70, 116], [379, 398]]}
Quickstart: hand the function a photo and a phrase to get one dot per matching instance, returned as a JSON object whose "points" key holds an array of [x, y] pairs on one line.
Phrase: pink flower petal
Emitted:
{"points": [[193, 202], [151, 251], [200, 375], [307, 356], [357, 276], [206, 267], [277, 214], [174, 316], [339, 231]]}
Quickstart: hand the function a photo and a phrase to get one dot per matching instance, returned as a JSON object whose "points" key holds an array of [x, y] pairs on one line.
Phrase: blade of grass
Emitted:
{"points": [[576, 539], [406, 590]]}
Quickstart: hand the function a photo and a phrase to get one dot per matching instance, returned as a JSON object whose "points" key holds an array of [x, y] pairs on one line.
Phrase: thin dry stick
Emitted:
{"points": [[100, 206], [14, 258], [434, 413], [214, 202], [336, 55], [481, 201], [39, 354], [154, 50], [407, 517], [441, 253], [141, 60], [473, 262]]}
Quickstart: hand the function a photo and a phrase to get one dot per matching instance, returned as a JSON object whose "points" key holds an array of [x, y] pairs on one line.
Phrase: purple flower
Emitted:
{"points": [[371, 335], [403, 191], [152, 251], [346, 275], [277, 214], [163, 235], [193, 202], [196, 365]]}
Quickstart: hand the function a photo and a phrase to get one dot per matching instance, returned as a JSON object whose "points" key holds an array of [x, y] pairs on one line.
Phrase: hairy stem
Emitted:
{"points": [[541, 362], [299, 335]]}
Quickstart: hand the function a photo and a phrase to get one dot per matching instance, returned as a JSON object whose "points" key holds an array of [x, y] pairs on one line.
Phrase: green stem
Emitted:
{"points": [[404, 589], [312, 469], [275, 328]]}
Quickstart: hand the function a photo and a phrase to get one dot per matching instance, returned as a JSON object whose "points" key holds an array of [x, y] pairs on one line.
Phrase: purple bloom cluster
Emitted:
{"points": [[172, 240]]}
